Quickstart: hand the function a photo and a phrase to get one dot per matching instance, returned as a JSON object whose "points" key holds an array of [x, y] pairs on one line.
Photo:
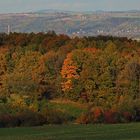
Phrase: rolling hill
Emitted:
{"points": [[74, 23]]}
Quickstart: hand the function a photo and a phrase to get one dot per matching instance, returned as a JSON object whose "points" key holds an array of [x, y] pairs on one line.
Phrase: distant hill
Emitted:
{"points": [[75, 23]]}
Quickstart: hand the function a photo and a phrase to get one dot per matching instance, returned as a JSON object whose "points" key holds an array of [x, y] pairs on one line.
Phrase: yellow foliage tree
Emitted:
{"points": [[3, 68]]}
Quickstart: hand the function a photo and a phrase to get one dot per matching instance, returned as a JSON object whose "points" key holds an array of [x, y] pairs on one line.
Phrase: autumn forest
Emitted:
{"points": [[101, 73]]}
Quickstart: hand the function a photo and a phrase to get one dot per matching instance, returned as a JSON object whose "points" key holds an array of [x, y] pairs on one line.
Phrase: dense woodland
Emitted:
{"points": [[102, 72]]}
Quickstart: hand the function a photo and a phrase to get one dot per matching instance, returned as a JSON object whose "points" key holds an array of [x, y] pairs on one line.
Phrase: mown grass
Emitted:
{"points": [[74, 132]]}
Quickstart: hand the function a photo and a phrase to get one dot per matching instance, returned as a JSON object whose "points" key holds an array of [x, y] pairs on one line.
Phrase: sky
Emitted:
{"points": [[17, 6]]}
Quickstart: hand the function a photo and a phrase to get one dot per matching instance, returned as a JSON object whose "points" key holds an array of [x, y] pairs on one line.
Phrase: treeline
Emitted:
{"points": [[102, 71]]}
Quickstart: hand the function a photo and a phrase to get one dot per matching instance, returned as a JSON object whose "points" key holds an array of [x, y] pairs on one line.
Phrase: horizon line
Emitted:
{"points": [[76, 11]]}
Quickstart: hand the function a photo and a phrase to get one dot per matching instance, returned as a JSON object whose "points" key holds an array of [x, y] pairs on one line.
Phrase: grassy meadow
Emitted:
{"points": [[74, 132]]}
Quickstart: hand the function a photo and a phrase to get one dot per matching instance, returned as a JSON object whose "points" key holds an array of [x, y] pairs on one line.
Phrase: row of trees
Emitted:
{"points": [[104, 71]]}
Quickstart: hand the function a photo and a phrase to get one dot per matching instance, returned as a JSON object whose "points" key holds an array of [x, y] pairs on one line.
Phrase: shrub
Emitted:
{"points": [[111, 116], [30, 118], [56, 117], [12, 117], [83, 119], [23, 119], [94, 115], [127, 116]]}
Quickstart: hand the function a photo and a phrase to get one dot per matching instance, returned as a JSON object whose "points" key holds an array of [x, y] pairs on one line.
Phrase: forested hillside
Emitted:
{"points": [[102, 73]]}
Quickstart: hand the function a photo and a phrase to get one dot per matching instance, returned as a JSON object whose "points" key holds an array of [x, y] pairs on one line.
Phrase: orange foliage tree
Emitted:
{"points": [[74, 71], [69, 72]]}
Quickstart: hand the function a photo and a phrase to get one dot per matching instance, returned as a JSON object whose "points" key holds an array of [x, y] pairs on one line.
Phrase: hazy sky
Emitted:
{"points": [[8, 6]]}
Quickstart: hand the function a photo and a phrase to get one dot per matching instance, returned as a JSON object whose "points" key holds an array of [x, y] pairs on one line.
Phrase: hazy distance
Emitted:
{"points": [[19, 6]]}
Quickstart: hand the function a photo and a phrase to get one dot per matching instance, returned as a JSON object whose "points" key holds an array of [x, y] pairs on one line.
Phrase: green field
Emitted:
{"points": [[73, 132]]}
